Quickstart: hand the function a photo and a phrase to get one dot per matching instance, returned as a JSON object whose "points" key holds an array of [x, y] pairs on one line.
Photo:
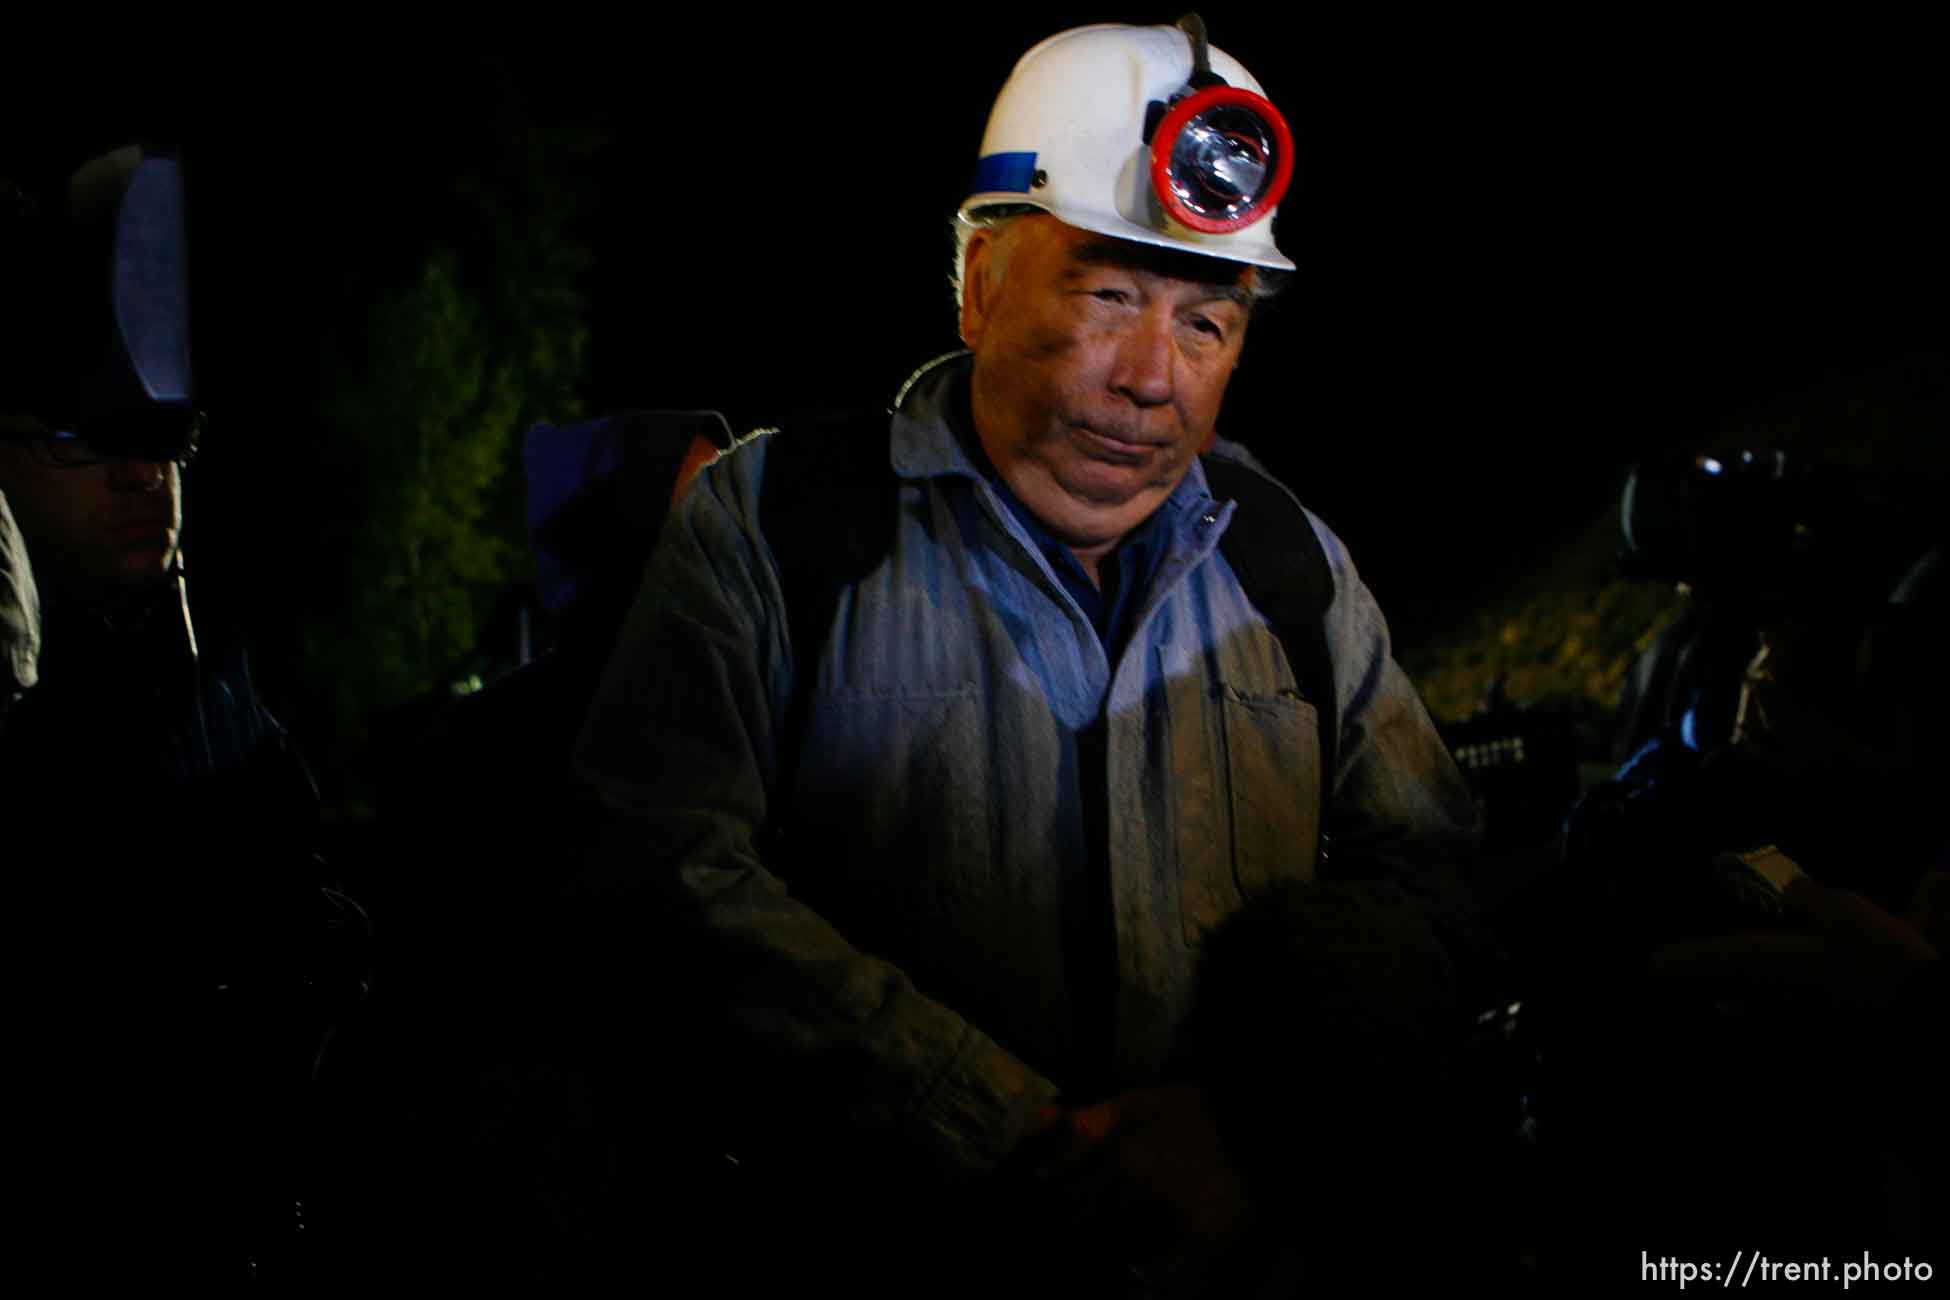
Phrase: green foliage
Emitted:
{"points": [[422, 451], [426, 429]]}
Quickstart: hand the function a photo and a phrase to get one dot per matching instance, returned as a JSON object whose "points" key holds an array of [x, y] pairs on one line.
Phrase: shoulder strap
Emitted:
{"points": [[1271, 545], [827, 507]]}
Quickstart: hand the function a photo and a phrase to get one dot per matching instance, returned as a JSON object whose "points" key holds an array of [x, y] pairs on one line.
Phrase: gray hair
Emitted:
{"points": [[962, 227]]}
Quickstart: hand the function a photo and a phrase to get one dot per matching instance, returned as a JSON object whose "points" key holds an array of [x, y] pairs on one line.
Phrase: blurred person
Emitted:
{"points": [[183, 955]]}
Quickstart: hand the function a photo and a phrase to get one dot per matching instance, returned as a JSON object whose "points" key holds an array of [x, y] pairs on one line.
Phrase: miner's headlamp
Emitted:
{"points": [[1221, 156]]}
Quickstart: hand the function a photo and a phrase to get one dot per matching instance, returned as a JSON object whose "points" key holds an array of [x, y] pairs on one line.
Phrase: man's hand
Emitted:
{"points": [[1147, 1170]]}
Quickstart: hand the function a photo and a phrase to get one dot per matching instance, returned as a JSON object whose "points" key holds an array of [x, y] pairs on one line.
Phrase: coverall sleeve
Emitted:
{"points": [[20, 612], [1401, 811], [680, 751]]}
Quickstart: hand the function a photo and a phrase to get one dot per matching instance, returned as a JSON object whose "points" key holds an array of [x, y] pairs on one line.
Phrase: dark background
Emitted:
{"points": [[1530, 251]]}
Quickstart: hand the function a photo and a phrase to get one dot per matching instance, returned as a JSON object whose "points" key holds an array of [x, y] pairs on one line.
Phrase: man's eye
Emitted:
{"points": [[1110, 295], [1207, 326]]}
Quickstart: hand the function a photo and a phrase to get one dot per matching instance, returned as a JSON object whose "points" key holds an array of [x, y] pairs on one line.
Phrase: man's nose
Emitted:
{"points": [[137, 475], [1146, 357]]}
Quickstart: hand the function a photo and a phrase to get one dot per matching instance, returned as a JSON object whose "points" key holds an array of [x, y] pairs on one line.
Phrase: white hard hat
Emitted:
{"points": [[1141, 133]]}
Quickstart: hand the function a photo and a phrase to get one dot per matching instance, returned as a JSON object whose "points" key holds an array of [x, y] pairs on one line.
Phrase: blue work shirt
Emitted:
{"points": [[913, 959], [1110, 603]]}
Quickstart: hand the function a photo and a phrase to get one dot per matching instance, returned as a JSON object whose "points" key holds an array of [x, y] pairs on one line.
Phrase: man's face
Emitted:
{"points": [[92, 530], [1100, 366]]}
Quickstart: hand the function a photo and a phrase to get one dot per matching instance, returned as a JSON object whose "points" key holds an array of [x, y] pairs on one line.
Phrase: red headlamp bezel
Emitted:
{"points": [[1174, 122]]}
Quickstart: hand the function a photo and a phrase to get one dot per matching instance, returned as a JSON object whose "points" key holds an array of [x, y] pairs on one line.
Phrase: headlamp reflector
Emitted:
{"points": [[1221, 159]]}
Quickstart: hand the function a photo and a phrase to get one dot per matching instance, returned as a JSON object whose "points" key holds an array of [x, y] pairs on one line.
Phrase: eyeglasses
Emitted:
{"points": [[155, 436]]}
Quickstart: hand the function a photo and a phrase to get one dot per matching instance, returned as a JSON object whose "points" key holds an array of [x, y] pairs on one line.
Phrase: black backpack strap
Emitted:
{"points": [[827, 507], [1271, 545]]}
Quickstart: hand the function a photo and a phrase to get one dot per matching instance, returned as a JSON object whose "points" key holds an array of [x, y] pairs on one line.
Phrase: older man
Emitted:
{"points": [[942, 862]]}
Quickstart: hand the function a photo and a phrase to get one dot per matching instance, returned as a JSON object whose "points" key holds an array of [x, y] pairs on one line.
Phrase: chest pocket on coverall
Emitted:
{"points": [[1272, 765]]}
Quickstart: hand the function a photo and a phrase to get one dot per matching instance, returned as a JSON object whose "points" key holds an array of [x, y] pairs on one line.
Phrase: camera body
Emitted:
{"points": [[1769, 531]]}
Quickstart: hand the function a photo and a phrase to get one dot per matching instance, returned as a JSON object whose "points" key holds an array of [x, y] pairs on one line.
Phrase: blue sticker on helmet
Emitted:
{"points": [[1004, 173]]}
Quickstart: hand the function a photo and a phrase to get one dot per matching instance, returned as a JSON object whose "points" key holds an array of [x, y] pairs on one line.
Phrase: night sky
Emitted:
{"points": [[1529, 253]]}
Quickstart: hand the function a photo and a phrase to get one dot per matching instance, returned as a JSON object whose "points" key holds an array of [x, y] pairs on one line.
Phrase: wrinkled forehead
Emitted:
{"points": [[1081, 249], [1230, 280]]}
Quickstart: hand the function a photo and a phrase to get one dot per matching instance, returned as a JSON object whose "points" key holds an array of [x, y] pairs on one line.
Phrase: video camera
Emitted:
{"points": [[1763, 528]]}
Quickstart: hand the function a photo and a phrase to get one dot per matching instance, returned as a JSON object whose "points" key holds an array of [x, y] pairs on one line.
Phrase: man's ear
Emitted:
{"points": [[977, 293]]}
